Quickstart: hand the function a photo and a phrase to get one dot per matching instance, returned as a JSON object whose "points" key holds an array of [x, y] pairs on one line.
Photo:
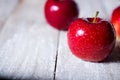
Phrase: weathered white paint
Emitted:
{"points": [[28, 44]]}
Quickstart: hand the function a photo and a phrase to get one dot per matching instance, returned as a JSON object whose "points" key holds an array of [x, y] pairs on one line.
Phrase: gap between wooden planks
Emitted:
{"points": [[71, 68]]}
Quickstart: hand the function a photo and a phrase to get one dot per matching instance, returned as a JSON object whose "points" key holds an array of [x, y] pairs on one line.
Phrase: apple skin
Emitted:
{"points": [[91, 41], [115, 19], [60, 13]]}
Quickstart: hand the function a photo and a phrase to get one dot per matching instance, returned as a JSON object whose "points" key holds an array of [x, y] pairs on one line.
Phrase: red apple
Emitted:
{"points": [[91, 41], [60, 13], [115, 19]]}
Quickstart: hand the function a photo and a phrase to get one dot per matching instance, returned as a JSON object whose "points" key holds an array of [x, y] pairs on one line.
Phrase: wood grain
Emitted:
{"points": [[31, 49], [28, 44]]}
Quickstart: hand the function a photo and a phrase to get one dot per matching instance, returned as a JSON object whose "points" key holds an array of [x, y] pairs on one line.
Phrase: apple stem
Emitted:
{"points": [[94, 20]]}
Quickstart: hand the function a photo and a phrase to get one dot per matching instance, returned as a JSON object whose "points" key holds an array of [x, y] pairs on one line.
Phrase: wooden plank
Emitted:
{"points": [[6, 9], [70, 67], [88, 8], [28, 44]]}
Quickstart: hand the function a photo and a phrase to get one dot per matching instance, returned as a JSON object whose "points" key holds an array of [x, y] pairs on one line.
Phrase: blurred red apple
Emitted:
{"points": [[60, 13], [115, 19]]}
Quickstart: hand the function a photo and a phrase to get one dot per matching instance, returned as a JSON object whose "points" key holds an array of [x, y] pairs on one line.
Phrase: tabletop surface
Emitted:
{"points": [[31, 49]]}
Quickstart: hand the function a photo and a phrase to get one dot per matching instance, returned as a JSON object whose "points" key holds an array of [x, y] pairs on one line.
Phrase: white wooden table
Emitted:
{"points": [[31, 49]]}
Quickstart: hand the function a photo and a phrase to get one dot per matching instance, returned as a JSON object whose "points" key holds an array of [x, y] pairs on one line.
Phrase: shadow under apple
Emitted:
{"points": [[114, 56], [29, 78]]}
